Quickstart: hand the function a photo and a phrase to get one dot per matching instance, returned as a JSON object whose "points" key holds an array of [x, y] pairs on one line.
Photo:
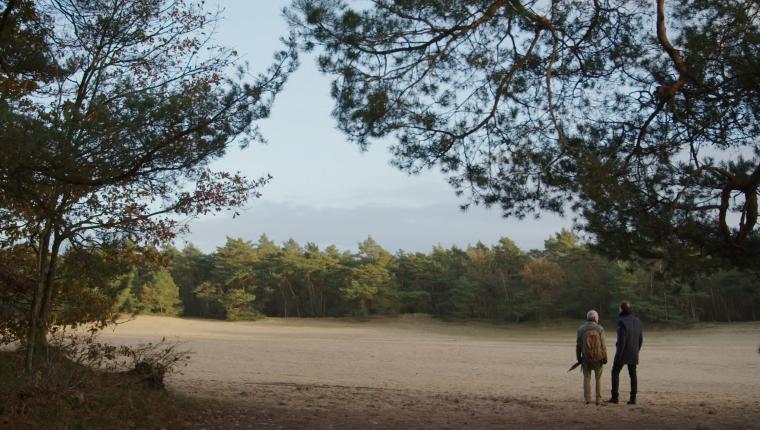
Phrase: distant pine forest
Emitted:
{"points": [[246, 280]]}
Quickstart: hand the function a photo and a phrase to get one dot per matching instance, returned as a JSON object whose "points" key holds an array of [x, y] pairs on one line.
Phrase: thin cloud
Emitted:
{"points": [[413, 229]]}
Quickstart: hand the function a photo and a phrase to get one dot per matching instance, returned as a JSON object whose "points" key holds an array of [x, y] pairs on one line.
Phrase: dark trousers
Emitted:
{"points": [[616, 368]]}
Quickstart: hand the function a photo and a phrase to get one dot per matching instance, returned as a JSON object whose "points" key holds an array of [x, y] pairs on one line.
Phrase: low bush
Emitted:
{"points": [[87, 384]]}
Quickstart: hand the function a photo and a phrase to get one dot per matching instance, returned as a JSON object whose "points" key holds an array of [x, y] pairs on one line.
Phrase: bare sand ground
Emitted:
{"points": [[416, 372]]}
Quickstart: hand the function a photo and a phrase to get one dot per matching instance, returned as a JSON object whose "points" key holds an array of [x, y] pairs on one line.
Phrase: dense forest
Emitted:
{"points": [[246, 280]]}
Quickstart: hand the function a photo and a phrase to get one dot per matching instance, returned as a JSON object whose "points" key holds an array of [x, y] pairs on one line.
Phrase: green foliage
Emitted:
{"points": [[16, 282], [25, 54], [243, 280], [416, 301], [368, 288], [191, 268], [462, 299], [159, 294], [239, 305]]}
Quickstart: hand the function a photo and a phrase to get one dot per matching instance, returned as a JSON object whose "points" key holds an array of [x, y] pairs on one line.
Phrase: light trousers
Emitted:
{"points": [[597, 370]]}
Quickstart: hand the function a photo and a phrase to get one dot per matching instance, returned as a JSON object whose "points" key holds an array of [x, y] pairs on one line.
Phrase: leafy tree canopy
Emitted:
{"points": [[108, 126], [640, 116]]}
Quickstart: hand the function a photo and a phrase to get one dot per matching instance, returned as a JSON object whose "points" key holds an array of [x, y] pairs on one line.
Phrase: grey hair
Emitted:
{"points": [[592, 315]]}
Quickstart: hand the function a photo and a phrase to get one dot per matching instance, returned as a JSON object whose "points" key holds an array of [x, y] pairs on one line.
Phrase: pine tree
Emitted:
{"points": [[641, 120]]}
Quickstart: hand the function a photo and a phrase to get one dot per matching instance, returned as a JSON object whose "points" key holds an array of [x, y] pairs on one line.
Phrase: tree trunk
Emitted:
{"points": [[725, 308], [284, 302], [33, 332], [714, 304], [322, 301], [507, 301], [295, 300], [311, 290], [47, 297]]}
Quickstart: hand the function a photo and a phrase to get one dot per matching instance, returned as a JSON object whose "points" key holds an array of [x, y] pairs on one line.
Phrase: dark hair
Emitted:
{"points": [[626, 307]]}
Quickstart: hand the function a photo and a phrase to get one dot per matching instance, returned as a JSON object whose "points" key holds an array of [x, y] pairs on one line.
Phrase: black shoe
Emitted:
{"points": [[631, 402], [613, 400]]}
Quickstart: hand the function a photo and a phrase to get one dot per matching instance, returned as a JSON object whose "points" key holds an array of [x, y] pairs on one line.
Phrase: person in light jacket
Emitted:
{"points": [[591, 364]]}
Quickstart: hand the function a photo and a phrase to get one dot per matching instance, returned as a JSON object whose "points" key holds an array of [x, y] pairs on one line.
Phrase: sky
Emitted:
{"points": [[324, 189]]}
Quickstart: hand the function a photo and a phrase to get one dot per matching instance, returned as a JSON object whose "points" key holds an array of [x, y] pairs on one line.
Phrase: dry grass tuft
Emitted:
{"points": [[85, 384]]}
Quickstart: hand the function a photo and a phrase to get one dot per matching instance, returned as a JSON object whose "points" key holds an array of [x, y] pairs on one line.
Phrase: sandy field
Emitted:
{"points": [[416, 372]]}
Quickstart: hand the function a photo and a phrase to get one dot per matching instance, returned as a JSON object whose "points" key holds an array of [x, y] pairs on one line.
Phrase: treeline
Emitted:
{"points": [[246, 280]]}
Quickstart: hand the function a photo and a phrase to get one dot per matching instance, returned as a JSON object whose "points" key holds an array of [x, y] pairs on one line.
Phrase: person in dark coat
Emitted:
{"points": [[629, 341]]}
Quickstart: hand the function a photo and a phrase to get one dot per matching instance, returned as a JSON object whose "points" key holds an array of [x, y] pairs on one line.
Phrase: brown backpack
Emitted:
{"points": [[593, 351]]}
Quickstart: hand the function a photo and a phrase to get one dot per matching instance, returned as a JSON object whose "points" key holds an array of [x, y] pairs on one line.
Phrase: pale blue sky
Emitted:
{"points": [[325, 190]]}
